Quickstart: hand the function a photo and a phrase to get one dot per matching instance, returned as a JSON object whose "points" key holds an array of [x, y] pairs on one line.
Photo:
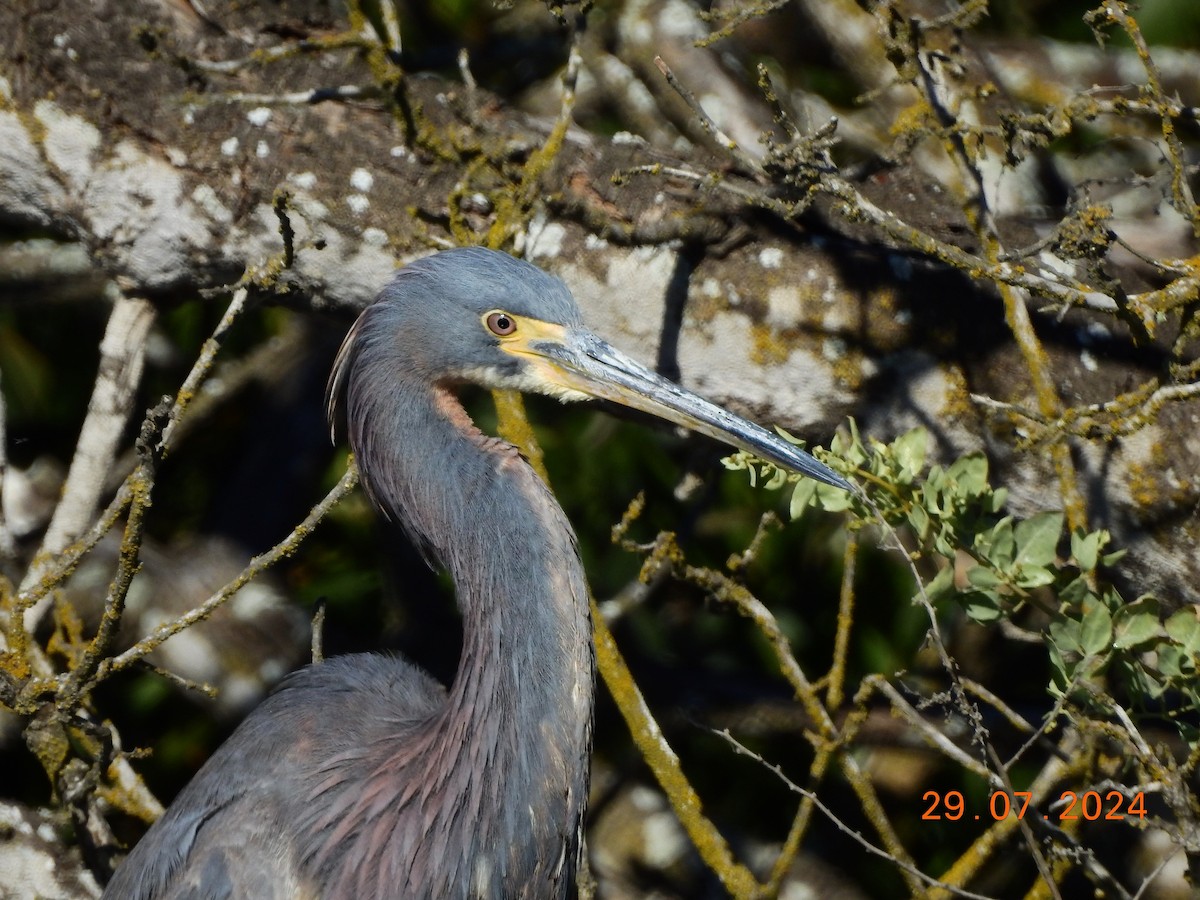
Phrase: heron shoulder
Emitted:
{"points": [[377, 684], [213, 837]]}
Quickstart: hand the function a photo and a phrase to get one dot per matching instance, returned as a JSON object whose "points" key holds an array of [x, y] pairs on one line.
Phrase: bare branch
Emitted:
{"points": [[748, 162], [35, 591], [122, 354], [8, 545], [257, 566], [902, 864]]}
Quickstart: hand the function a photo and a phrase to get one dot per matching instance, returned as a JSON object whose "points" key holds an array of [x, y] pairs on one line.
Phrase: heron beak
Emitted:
{"points": [[576, 361]]}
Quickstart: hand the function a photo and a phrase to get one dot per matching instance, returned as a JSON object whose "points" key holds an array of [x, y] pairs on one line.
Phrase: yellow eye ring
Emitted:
{"points": [[500, 323]]}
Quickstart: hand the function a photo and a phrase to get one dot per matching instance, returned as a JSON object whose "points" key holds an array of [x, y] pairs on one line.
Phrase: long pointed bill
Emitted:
{"points": [[576, 360]]}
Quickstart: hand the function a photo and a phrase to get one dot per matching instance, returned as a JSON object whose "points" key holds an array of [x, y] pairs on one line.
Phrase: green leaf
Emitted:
{"points": [[1172, 661], [1066, 635], [944, 542], [1085, 548], [837, 444], [941, 585], [832, 499], [969, 475], [999, 547], [802, 497], [1184, 629], [1037, 539], [1111, 559], [855, 452], [918, 519], [735, 461], [1112, 598], [909, 451], [1060, 671], [983, 578], [1149, 685], [1096, 630], [1033, 577], [1136, 623], [934, 480], [882, 462], [930, 497], [789, 437], [982, 606], [1076, 592], [777, 480]]}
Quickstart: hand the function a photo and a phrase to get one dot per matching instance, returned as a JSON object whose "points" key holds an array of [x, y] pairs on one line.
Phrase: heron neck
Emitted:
{"points": [[480, 510], [520, 707]]}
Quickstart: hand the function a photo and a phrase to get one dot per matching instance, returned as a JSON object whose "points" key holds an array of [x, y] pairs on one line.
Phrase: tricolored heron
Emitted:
{"points": [[362, 778]]}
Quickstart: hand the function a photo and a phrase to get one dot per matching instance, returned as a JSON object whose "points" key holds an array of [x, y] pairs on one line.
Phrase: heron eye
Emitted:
{"points": [[501, 324]]}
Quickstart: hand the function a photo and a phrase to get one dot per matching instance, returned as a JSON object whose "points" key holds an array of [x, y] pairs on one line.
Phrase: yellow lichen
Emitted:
{"points": [[848, 369], [958, 405], [769, 347]]}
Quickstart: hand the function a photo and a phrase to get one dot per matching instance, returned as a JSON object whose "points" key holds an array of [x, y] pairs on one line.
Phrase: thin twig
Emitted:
{"points": [[203, 365], [904, 865], [468, 78], [712, 847], [256, 566], [128, 559], [1131, 730], [342, 93], [55, 568], [858, 207], [1125, 414], [745, 160], [845, 623], [768, 523], [727, 590], [822, 759], [1014, 718], [268, 364], [186, 684], [1158, 870], [734, 16], [318, 634], [268, 55], [122, 355], [630, 597], [8, 544], [964, 704], [1181, 191], [1038, 733], [932, 735], [390, 17], [514, 209], [983, 849], [128, 563]]}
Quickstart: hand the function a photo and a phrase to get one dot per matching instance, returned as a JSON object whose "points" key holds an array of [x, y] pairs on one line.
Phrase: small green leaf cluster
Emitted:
{"points": [[945, 509], [996, 567], [1156, 659]]}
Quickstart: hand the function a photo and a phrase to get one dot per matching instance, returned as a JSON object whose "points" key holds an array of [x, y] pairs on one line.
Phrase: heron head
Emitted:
{"points": [[475, 315]]}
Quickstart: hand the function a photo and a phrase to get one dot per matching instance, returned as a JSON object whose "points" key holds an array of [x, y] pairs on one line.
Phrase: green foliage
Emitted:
{"points": [[996, 567]]}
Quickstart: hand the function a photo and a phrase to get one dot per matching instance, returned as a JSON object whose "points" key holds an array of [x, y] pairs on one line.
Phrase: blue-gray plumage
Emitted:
{"points": [[362, 778]]}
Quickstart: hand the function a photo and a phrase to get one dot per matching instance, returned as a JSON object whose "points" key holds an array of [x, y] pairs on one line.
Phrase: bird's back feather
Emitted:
{"points": [[225, 837]]}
